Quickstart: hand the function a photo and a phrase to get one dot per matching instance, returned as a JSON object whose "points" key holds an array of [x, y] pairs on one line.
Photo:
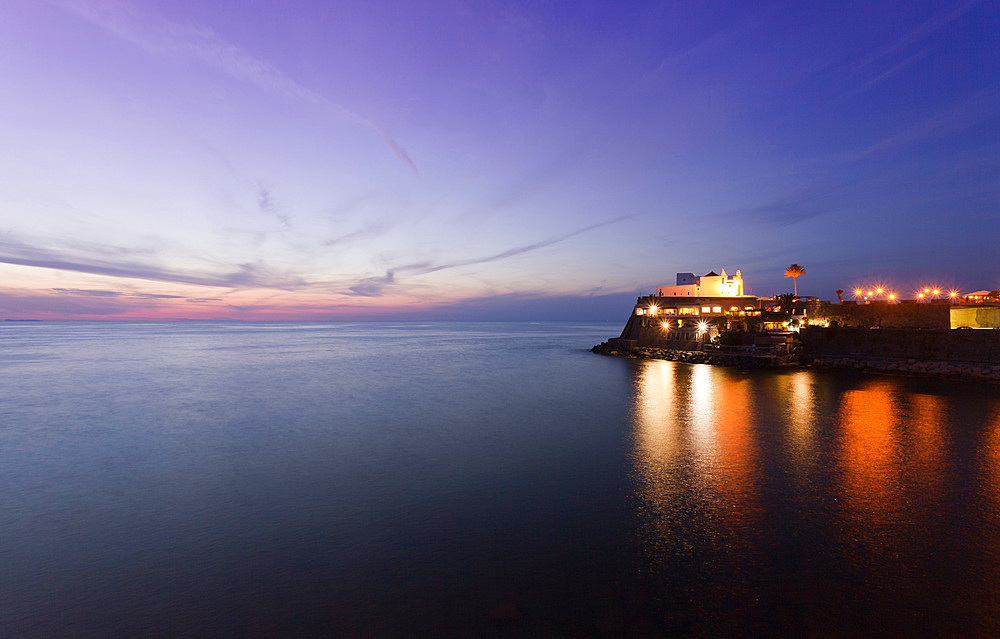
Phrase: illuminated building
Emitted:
{"points": [[710, 285], [693, 310]]}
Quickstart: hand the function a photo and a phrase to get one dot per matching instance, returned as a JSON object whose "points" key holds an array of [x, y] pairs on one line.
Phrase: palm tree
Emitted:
{"points": [[785, 301], [840, 295], [793, 272]]}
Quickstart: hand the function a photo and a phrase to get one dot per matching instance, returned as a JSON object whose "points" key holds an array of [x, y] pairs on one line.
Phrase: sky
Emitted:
{"points": [[444, 159]]}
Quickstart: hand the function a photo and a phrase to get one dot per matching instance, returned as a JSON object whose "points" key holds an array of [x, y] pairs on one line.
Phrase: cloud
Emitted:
{"points": [[259, 275], [372, 286], [517, 250], [80, 291], [982, 106], [782, 212], [19, 304], [249, 275], [398, 150], [890, 72], [161, 36], [528, 305], [69, 302], [923, 30], [265, 202], [369, 230], [103, 293]]}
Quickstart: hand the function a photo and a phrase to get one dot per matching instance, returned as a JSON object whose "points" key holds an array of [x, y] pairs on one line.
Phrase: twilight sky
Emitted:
{"points": [[310, 159]]}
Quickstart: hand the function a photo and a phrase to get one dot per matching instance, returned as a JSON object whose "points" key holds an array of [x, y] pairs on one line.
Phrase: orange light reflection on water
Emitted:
{"points": [[869, 459], [657, 427], [801, 415], [990, 470], [737, 470], [991, 467], [694, 443], [926, 440]]}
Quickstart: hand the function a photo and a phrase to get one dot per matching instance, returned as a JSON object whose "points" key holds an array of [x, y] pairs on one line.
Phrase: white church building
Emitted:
{"points": [[710, 285]]}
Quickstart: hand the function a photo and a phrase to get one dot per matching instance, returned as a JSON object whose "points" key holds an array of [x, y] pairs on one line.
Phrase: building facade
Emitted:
{"points": [[694, 310], [710, 285]]}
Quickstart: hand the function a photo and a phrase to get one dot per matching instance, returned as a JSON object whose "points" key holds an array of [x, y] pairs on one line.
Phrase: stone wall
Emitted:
{"points": [[979, 371], [648, 332], [960, 345], [882, 314]]}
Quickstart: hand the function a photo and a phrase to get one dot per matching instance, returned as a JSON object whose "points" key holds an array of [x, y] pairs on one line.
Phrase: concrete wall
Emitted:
{"points": [[932, 345], [978, 316]]}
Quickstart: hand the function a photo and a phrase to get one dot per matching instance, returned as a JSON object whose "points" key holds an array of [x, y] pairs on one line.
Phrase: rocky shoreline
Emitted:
{"points": [[716, 358], [973, 371]]}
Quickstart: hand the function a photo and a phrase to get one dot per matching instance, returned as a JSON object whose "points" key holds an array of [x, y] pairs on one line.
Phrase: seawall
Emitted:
{"points": [[966, 354], [932, 345]]}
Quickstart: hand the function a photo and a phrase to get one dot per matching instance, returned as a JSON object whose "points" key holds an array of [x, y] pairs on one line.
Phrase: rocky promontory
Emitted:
{"points": [[615, 348]]}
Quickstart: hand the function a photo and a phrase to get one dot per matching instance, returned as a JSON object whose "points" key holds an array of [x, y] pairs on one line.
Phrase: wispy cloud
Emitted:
{"points": [[888, 73], [920, 32], [57, 303], [982, 106], [796, 207], [520, 249], [265, 202], [105, 293], [373, 286], [367, 231], [248, 275], [889, 60], [160, 36]]}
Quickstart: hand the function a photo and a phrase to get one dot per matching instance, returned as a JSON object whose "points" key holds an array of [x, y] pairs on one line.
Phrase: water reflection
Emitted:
{"points": [[991, 465], [869, 423], [696, 460], [775, 498], [694, 423], [801, 413], [927, 443]]}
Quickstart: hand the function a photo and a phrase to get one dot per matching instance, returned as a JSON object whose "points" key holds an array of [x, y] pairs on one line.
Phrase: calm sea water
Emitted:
{"points": [[245, 480]]}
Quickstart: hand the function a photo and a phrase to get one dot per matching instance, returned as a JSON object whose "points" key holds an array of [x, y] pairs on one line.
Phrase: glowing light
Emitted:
{"points": [[702, 327], [927, 290], [953, 294], [652, 309], [869, 293], [879, 291], [891, 296], [665, 325], [921, 296], [936, 291], [857, 291]]}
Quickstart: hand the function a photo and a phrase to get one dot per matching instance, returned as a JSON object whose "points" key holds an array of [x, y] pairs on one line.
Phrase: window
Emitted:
{"points": [[716, 309], [706, 309]]}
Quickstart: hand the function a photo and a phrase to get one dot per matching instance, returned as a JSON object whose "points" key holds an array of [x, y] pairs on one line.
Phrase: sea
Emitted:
{"points": [[225, 479]]}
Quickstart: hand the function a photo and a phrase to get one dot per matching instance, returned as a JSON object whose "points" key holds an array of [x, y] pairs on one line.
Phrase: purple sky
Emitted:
{"points": [[322, 160]]}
